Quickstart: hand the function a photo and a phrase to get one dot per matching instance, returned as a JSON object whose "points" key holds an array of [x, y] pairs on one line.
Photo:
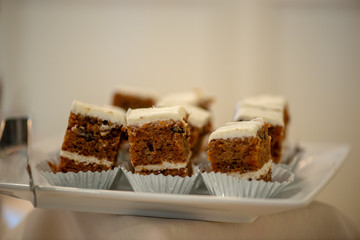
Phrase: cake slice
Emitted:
{"points": [[195, 98], [272, 102], [242, 149], [159, 141], [92, 138], [273, 117], [131, 97]]}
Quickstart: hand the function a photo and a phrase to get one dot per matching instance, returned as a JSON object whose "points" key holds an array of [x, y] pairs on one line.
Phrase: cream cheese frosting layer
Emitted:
{"points": [[238, 129], [84, 159], [245, 112], [198, 117], [113, 114], [142, 116], [162, 166], [193, 98], [180, 98], [266, 101], [254, 174]]}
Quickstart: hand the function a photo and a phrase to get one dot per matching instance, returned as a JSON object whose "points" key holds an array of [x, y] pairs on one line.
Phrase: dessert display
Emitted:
{"points": [[199, 121], [165, 153], [92, 138], [131, 97], [195, 98], [275, 118], [242, 150], [159, 141]]}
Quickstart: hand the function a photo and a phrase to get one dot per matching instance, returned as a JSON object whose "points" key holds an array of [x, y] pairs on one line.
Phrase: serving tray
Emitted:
{"points": [[316, 166]]}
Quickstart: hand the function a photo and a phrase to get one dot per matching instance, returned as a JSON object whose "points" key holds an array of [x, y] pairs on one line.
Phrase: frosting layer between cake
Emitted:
{"points": [[77, 158], [253, 174], [161, 166]]}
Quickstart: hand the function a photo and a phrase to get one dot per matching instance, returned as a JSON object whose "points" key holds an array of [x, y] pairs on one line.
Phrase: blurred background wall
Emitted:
{"points": [[52, 52]]}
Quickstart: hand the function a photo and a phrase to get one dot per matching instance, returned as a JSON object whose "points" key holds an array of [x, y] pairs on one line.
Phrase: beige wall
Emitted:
{"points": [[53, 52]]}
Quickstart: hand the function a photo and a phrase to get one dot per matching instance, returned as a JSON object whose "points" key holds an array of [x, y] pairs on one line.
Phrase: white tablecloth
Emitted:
{"points": [[316, 221]]}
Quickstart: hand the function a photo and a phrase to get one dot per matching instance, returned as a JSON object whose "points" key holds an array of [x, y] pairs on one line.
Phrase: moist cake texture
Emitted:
{"points": [[273, 117], [131, 97], [92, 138], [159, 141], [242, 149], [199, 121], [200, 125]]}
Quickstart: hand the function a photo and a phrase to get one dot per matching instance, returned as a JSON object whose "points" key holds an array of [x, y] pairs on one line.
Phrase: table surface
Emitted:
{"points": [[316, 221]]}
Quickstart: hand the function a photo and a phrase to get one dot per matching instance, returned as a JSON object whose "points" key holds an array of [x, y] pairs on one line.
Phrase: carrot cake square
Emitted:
{"points": [[92, 138], [242, 149], [159, 141]]}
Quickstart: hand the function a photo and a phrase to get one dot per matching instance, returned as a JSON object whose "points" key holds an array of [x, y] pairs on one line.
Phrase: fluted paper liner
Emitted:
{"points": [[220, 184], [158, 183], [89, 179]]}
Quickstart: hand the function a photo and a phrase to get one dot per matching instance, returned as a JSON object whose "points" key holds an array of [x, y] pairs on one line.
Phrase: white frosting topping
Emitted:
{"points": [[84, 159], [253, 174], [192, 98], [110, 113], [245, 112], [266, 101], [198, 117], [142, 116], [136, 91], [162, 166], [238, 129]]}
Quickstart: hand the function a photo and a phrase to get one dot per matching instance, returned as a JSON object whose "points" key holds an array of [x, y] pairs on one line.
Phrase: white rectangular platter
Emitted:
{"points": [[317, 165]]}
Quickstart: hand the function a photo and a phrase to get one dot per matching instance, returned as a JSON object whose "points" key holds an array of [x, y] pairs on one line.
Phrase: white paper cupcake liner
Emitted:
{"points": [[220, 184], [158, 183], [90, 180]]}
